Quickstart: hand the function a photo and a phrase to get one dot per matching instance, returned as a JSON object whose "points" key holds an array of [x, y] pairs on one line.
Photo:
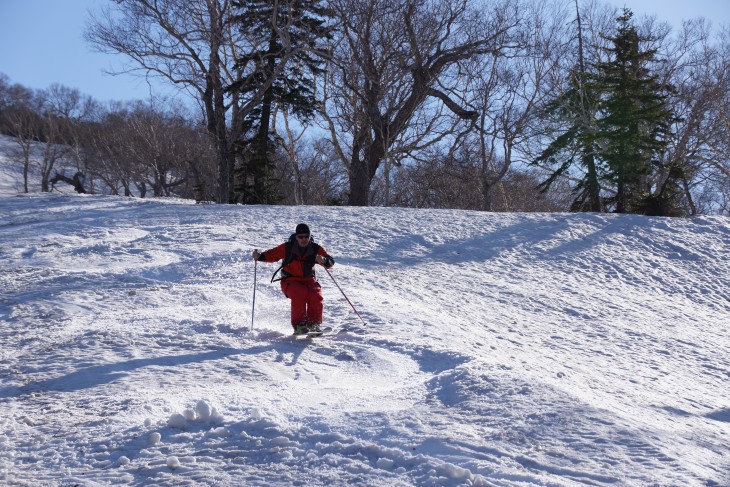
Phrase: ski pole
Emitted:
{"points": [[345, 295], [253, 306]]}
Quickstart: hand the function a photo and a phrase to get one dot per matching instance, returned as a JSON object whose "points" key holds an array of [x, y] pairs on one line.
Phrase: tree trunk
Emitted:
{"points": [[76, 181], [215, 109], [359, 185], [26, 170], [261, 146], [594, 187]]}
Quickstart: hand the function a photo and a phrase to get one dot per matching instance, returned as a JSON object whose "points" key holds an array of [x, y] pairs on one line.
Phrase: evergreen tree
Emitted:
{"points": [[576, 145], [635, 121], [289, 58], [618, 124], [576, 108]]}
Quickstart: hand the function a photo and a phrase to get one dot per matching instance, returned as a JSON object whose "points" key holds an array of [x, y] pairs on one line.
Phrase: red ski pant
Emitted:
{"points": [[306, 300]]}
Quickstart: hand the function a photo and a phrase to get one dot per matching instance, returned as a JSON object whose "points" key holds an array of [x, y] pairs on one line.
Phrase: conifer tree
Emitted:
{"points": [[289, 56], [618, 124], [635, 121], [576, 145], [575, 109]]}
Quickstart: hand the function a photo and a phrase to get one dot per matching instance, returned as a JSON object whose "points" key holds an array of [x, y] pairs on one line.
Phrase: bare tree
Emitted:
{"points": [[194, 45], [186, 42], [150, 147], [698, 65], [393, 77], [290, 138], [442, 177], [64, 110], [447, 178], [108, 147], [310, 173], [508, 91], [21, 119], [76, 139]]}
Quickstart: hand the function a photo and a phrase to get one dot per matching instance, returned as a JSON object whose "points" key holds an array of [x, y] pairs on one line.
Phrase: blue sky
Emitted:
{"points": [[41, 43]]}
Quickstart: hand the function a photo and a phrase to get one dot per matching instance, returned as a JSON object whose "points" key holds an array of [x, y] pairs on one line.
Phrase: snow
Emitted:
{"points": [[501, 349]]}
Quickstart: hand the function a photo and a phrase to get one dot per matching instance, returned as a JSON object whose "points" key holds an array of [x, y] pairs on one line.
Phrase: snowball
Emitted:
{"points": [[173, 462], [147, 423], [123, 461], [189, 414], [385, 463], [28, 421], [218, 432], [154, 438], [208, 413], [456, 472], [177, 421], [256, 414], [280, 441], [204, 410], [480, 481], [215, 417]]}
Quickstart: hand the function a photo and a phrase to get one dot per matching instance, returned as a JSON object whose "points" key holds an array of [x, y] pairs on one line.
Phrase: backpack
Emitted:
{"points": [[289, 256]]}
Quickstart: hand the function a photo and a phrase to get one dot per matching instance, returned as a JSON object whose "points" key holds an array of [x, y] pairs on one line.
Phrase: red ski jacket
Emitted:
{"points": [[298, 262]]}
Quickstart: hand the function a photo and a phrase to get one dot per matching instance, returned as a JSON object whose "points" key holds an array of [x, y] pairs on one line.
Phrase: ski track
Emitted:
{"points": [[503, 350]]}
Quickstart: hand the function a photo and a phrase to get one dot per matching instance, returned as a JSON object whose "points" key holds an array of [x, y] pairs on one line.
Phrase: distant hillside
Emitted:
{"points": [[11, 168]]}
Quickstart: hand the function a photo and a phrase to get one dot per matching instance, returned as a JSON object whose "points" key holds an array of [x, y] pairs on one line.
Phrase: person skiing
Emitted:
{"points": [[298, 278]]}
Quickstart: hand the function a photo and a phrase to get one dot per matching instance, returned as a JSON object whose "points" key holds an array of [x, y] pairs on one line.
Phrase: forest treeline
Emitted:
{"points": [[507, 105]]}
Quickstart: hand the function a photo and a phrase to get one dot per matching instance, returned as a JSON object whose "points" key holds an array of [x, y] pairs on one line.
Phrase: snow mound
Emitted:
{"points": [[203, 413]]}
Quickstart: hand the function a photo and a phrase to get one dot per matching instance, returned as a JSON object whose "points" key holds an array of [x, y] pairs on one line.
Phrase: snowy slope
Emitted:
{"points": [[11, 168], [502, 349]]}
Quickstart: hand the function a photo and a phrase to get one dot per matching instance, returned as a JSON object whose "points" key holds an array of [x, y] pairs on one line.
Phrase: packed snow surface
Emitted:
{"points": [[500, 349]]}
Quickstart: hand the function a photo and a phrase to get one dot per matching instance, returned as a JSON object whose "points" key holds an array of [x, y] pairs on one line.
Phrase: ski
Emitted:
{"points": [[313, 334]]}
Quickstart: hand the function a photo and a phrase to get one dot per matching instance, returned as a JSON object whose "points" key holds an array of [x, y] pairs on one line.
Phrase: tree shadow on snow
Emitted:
{"points": [[525, 234]]}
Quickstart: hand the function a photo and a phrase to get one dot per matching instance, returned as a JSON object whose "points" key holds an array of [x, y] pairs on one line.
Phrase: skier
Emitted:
{"points": [[298, 279]]}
